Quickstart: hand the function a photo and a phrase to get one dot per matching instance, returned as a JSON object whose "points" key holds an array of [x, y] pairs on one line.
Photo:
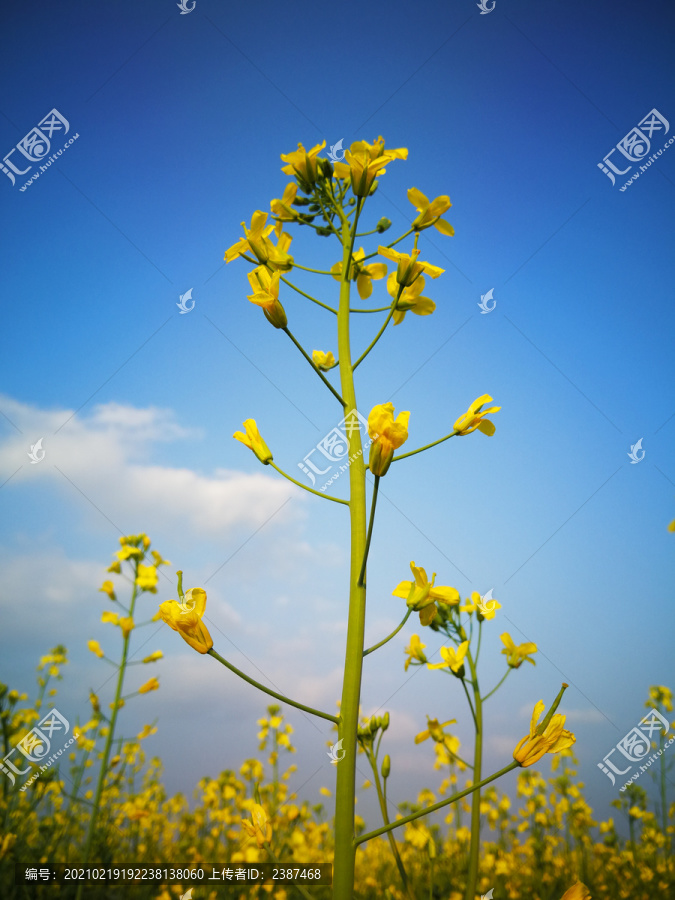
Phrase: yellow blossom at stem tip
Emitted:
{"points": [[430, 212], [422, 594], [473, 418], [254, 442], [452, 659], [323, 361], [410, 300], [415, 650], [303, 164], [517, 654], [547, 737], [387, 434], [188, 622], [107, 588], [364, 162], [95, 647], [266, 288], [259, 827], [151, 685], [409, 269], [434, 731], [578, 891]]}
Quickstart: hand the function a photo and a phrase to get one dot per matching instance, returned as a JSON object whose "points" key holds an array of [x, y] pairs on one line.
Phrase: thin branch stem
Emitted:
{"points": [[498, 685], [308, 296], [304, 486], [315, 367], [393, 634], [376, 338], [426, 446], [266, 690], [436, 806], [370, 531]]}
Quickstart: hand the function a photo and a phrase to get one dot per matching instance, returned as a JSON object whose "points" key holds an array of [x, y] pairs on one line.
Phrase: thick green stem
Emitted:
{"points": [[474, 847], [266, 690], [345, 848]]}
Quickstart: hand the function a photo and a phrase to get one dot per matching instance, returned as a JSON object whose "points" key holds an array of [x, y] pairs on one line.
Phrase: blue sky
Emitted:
{"points": [[180, 121]]}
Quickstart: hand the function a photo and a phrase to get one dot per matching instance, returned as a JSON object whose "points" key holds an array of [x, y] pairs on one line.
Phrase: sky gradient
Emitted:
{"points": [[181, 120]]}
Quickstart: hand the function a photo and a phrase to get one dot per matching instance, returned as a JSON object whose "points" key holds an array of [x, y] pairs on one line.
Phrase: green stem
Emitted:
{"points": [[110, 736], [266, 690], [379, 309], [497, 686], [426, 447], [436, 806], [394, 632], [307, 269], [308, 296], [315, 367], [474, 848], [383, 808], [373, 504], [345, 794], [304, 486], [377, 336], [393, 244]]}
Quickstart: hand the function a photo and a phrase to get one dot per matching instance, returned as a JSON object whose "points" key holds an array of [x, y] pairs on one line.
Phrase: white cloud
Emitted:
{"points": [[105, 454]]}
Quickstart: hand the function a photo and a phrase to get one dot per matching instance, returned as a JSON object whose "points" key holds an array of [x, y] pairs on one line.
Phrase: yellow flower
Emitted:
{"points": [[110, 617], [388, 435], [147, 731], [434, 730], [257, 242], [516, 654], [115, 567], [671, 527], [95, 647], [266, 288], [452, 659], [151, 685], [158, 559], [128, 551], [323, 361], [107, 588], [422, 595], [415, 651], [282, 209], [364, 275], [660, 695], [259, 827], [473, 418], [409, 269], [430, 212], [303, 164], [126, 623], [189, 623], [364, 162], [548, 737], [253, 441], [578, 891], [93, 699], [475, 604], [146, 579], [153, 657], [410, 300]]}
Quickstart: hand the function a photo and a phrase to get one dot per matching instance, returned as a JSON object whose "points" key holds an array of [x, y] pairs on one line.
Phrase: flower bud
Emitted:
{"points": [[386, 766], [385, 721], [326, 168], [383, 225]]}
